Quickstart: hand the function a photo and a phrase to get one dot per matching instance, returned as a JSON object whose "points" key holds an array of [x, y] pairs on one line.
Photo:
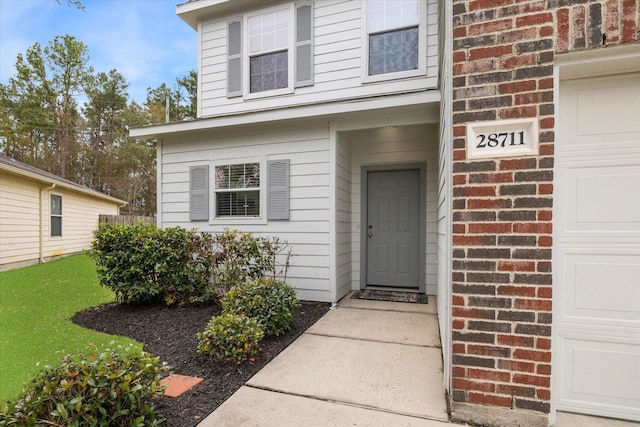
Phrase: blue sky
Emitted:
{"points": [[143, 39]]}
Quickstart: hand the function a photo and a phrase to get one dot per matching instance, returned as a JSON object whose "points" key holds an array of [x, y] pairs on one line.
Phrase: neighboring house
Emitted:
{"points": [[43, 216], [487, 152]]}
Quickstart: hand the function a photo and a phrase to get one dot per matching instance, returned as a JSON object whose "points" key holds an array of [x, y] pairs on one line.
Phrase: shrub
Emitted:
{"points": [[141, 263], [242, 257], [270, 301], [112, 388], [231, 337]]}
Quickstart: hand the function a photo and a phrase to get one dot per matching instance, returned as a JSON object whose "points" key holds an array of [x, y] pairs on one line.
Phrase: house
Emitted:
{"points": [[486, 152], [44, 216]]}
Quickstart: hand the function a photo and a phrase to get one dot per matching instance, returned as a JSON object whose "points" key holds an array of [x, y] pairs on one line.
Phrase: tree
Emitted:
{"points": [[182, 99]]}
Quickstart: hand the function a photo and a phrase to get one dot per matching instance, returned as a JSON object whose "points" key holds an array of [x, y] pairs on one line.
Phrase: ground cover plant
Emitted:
{"points": [[36, 304]]}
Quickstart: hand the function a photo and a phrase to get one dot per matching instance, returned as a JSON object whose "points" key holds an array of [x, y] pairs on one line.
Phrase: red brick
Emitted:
{"points": [[468, 240], [562, 23], [464, 384], [540, 381], [459, 32], [459, 228], [475, 191], [546, 83], [543, 369], [545, 215], [487, 350], [459, 179], [545, 292], [611, 21], [458, 324], [473, 67], [533, 228], [534, 19], [629, 21], [514, 365], [496, 228], [546, 31], [459, 131], [528, 98], [547, 123], [518, 61], [545, 188], [516, 164], [544, 267], [545, 241], [515, 390], [491, 375], [519, 35], [578, 37], [533, 304], [517, 87], [516, 341], [459, 56], [458, 371], [459, 154], [488, 4], [543, 394], [490, 27], [459, 348], [488, 203], [534, 355], [490, 399], [520, 291], [518, 112], [516, 266], [457, 300], [543, 343], [490, 52]]}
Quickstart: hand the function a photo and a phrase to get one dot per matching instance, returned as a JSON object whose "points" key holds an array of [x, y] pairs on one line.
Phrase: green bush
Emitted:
{"points": [[231, 337], [269, 301], [142, 263], [113, 388], [242, 257]]}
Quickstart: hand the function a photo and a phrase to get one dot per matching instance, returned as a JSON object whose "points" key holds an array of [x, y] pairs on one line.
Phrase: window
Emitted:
{"points": [[394, 36], [56, 216], [237, 190], [271, 52]]}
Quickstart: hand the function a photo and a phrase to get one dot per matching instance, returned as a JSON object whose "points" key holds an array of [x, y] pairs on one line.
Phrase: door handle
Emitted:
{"points": [[370, 233]]}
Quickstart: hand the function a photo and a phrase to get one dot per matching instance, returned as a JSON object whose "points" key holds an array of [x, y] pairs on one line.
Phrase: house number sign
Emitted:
{"points": [[502, 138]]}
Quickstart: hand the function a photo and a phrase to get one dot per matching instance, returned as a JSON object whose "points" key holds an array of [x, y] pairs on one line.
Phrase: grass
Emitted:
{"points": [[36, 304]]}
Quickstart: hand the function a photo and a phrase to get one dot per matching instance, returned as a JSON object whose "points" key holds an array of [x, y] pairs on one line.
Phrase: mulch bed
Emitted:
{"points": [[170, 334]]}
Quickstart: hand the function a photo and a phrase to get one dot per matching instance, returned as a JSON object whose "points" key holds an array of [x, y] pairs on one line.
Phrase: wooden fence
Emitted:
{"points": [[125, 219]]}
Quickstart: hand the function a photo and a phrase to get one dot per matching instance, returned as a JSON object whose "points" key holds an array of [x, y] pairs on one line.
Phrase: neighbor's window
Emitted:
{"points": [[393, 32], [237, 190], [269, 51], [56, 216]]}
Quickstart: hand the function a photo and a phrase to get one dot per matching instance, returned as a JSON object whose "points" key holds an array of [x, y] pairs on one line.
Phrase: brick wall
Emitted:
{"points": [[503, 52]]}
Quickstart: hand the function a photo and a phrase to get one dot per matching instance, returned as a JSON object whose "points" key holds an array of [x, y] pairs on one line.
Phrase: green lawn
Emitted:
{"points": [[36, 304]]}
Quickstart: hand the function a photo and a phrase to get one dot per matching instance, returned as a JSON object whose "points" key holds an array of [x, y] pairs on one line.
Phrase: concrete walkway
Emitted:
{"points": [[365, 363]]}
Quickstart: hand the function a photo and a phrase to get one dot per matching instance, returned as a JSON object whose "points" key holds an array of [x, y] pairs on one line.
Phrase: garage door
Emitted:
{"points": [[597, 247]]}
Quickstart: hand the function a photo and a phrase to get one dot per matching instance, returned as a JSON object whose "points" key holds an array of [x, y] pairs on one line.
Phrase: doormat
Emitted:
{"points": [[392, 296]]}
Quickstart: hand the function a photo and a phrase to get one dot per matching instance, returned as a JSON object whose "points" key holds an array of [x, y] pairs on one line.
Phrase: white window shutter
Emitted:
{"points": [[199, 193], [234, 58], [304, 44], [278, 189]]}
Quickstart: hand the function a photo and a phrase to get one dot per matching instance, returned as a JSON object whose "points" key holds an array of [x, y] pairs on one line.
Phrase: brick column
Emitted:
{"points": [[502, 211]]}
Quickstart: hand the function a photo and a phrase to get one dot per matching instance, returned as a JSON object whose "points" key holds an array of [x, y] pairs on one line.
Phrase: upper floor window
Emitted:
{"points": [[396, 38], [56, 216], [270, 52]]}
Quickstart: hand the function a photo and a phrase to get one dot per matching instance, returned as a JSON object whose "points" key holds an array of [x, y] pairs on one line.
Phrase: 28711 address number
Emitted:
{"points": [[502, 139]]}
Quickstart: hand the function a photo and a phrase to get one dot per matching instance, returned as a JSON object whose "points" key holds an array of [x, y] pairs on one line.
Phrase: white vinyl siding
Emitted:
{"points": [[307, 230], [337, 62], [20, 202], [409, 144], [343, 217]]}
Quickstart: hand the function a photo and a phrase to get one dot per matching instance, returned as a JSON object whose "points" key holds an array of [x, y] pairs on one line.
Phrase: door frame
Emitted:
{"points": [[422, 264]]}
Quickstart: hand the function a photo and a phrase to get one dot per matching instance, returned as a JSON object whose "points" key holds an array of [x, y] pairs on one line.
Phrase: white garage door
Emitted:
{"points": [[597, 247]]}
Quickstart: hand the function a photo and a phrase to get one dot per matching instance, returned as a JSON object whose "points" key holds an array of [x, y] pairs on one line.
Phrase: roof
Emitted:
{"points": [[18, 168]]}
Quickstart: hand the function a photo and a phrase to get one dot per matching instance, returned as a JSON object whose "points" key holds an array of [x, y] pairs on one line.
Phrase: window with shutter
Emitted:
{"points": [[237, 190], [199, 193], [278, 189]]}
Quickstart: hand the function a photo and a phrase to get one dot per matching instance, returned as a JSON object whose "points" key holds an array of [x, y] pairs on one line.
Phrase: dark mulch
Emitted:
{"points": [[170, 334]]}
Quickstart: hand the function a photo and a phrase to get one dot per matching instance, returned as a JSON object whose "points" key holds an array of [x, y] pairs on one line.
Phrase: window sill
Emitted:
{"points": [[268, 93], [394, 76], [238, 221]]}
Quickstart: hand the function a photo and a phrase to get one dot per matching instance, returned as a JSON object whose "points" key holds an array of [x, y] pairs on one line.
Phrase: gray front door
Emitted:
{"points": [[393, 228]]}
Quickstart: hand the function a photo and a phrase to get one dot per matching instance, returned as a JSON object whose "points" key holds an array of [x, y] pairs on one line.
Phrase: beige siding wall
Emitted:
{"points": [[20, 221], [307, 230], [337, 62], [384, 146]]}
